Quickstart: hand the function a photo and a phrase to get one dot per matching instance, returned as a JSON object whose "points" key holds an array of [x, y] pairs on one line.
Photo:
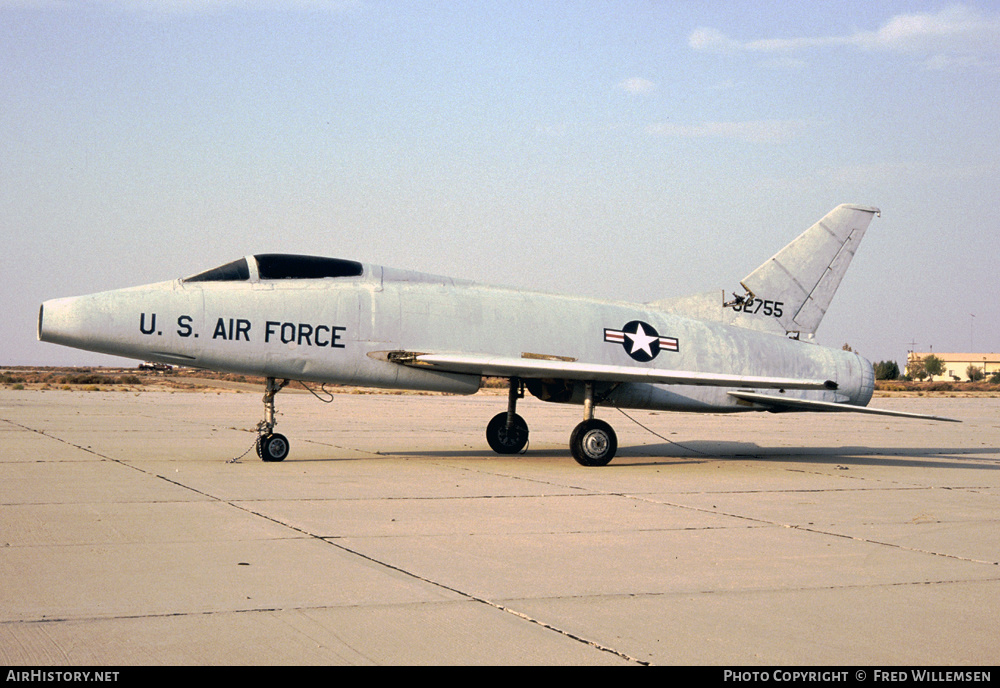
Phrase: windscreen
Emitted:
{"points": [[230, 272]]}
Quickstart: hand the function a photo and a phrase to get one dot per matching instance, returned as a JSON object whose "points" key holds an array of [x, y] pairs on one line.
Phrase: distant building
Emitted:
{"points": [[955, 365]]}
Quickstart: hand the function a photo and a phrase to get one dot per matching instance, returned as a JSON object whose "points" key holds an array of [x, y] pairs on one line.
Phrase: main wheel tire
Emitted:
{"points": [[507, 441], [593, 443], [273, 447]]}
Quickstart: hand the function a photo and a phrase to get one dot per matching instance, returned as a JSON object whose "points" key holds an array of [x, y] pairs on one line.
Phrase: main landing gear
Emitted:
{"points": [[271, 446], [507, 433], [593, 442]]}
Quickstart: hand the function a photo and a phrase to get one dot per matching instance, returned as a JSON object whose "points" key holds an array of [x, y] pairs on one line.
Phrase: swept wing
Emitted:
{"points": [[554, 367]]}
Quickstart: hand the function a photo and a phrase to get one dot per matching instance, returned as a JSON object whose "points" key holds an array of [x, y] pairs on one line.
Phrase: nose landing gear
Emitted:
{"points": [[271, 446]]}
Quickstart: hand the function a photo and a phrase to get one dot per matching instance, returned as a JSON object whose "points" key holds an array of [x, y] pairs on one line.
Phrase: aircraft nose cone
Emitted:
{"points": [[128, 322], [77, 321], [58, 321]]}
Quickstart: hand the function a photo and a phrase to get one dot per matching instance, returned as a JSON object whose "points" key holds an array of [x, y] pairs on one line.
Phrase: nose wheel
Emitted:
{"points": [[272, 447]]}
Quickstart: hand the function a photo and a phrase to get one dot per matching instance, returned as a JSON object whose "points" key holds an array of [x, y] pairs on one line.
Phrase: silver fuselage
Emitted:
{"points": [[338, 330]]}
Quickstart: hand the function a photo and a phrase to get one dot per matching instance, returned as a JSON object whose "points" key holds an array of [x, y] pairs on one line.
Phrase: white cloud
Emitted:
{"points": [[710, 39], [956, 35], [759, 131], [947, 29], [637, 85], [713, 40]]}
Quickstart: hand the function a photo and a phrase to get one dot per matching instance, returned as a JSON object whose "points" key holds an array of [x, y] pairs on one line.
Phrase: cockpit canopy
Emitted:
{"points": [[278, 266], [236, 271]]}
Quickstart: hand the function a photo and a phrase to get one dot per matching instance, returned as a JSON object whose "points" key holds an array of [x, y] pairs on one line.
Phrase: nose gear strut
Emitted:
{"points": [[271, 446]]}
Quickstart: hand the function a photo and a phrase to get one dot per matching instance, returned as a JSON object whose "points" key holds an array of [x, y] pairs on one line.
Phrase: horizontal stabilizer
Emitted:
{"points": [[774, 403], [531, 367]]}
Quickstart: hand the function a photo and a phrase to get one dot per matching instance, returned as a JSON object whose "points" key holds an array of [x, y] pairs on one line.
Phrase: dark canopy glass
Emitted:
{"points": [[275, 266], [283, 266]]}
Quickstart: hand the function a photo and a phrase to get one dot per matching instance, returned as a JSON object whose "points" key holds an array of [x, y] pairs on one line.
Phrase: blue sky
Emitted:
{"points": [[626, 150]]}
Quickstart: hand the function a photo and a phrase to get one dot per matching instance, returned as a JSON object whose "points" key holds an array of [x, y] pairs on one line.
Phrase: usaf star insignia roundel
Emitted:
{"points": [[640, 340]]}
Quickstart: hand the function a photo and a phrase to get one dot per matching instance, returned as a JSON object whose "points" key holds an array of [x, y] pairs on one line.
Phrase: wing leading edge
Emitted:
{"points": [[554, 367]]}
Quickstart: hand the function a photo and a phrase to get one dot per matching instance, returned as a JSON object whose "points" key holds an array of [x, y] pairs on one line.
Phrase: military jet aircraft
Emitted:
{"points": [[329, 320]]}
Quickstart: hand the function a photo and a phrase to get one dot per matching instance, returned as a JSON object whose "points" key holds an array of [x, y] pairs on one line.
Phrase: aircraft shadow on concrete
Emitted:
{"points": [[695, 451], [911, 457]]}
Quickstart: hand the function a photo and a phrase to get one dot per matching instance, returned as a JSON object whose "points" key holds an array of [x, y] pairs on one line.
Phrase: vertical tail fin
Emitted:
{"points": [[804, 275], [790, 293]]}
